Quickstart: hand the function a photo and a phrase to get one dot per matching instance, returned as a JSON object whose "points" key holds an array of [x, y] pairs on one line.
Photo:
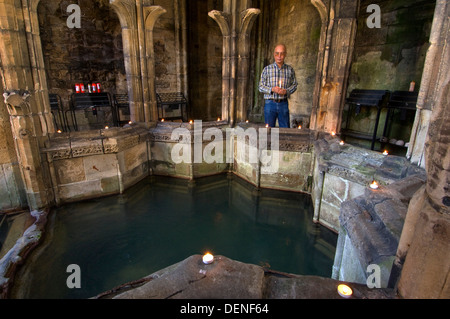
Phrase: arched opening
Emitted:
{"points": [[297, 24], [389, 58], [90, 54]]}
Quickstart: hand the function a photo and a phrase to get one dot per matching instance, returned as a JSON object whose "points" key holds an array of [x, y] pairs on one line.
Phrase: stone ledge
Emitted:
{"points": [[94, 142], [229, 279]]}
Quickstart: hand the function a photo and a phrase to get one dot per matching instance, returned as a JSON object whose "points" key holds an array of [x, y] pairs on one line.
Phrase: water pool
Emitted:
{"points": [[162, 221]]}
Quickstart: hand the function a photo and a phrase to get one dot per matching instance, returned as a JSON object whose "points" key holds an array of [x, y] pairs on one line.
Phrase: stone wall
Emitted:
{"points": [[96, 163]]}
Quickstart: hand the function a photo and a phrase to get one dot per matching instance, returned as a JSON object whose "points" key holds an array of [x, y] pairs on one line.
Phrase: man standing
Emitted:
{"points": [[277, 83]]}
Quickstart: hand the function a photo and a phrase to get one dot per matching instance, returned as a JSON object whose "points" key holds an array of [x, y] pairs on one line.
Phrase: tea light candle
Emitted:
{"points": [[208, 259], [162, 120], [341, 143], [190, 122], [385, 153], [345, 291], [374, 185], [333, 133], [299, 127], [106, 127], [59, 131]]}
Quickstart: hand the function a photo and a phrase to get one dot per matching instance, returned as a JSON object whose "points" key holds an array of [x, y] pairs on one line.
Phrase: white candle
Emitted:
{"points": [[208, 259], [345, 291], [374, 185]]}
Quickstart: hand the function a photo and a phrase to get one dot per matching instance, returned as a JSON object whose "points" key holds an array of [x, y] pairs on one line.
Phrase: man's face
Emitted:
{"points": [[279, 54]]}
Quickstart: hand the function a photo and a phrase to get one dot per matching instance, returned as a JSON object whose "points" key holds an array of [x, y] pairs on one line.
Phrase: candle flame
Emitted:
{"points": [[374, 185], [208, 258], [345, 291]]}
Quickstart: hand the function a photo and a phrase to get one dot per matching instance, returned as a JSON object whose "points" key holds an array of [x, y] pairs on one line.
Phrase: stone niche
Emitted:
{"points": [[92, 53]]}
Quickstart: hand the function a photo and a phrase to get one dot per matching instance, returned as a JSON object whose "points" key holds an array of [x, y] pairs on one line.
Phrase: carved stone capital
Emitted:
{"points": [[17, 102]]}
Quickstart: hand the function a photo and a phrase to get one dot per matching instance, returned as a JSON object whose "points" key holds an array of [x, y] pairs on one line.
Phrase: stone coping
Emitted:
{"points": [[361, 165], [229, 279]]}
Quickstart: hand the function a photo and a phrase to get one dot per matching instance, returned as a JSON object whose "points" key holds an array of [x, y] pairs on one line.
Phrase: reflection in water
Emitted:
{"points": [[162, 221]]}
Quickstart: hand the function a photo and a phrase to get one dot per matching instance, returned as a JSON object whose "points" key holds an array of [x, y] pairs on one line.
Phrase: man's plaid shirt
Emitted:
{"points": [[273, 76]]}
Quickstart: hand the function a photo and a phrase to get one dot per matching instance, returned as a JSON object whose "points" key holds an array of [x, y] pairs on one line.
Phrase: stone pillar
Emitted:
{"points": [[26, 94], [235, 21], [429, 85], [335, 55], [423, 252], [25, 130], [137, 19]]}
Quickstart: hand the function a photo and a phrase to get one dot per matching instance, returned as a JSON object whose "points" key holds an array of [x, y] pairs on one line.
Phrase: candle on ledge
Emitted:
{"points": [[341, 143], [162, 120], [374, 185], [385, 153], [208, 259], [333, 133], [299, 127], [345, 291]]}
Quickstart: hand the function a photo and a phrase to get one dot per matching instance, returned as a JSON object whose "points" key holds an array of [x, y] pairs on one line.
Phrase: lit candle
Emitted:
{"points": [[345, 291], [280, 84], [374, 185], [218, 119], [246, 121], [106, 127], [385, 153], [59, 131], [162, 120], [190, 122], [341, 143], [267, 125], [333, 133], [130, 122], [299, 127], [208, 259]]}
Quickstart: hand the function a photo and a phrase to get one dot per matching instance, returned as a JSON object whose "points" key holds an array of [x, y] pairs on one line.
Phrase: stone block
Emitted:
{"points": [[70, 171], [100, 166]]}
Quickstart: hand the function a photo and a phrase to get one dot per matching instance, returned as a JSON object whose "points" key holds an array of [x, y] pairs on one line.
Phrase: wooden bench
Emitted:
{"points": [[170, 102], [94, 103], [369, 98], [122, 105], [59, 118]]}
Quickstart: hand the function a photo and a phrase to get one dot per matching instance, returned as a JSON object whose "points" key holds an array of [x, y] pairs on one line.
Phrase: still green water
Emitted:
{"points": [[162, 221]]}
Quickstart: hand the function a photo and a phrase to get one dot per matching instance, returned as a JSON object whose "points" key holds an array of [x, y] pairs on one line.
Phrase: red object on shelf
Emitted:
{"points": [[77, 88], [94, 88], [83, 90], [98, 88]]}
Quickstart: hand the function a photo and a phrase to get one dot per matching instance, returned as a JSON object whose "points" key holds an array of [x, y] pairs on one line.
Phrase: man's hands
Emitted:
{"points": [[279, 90]]}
